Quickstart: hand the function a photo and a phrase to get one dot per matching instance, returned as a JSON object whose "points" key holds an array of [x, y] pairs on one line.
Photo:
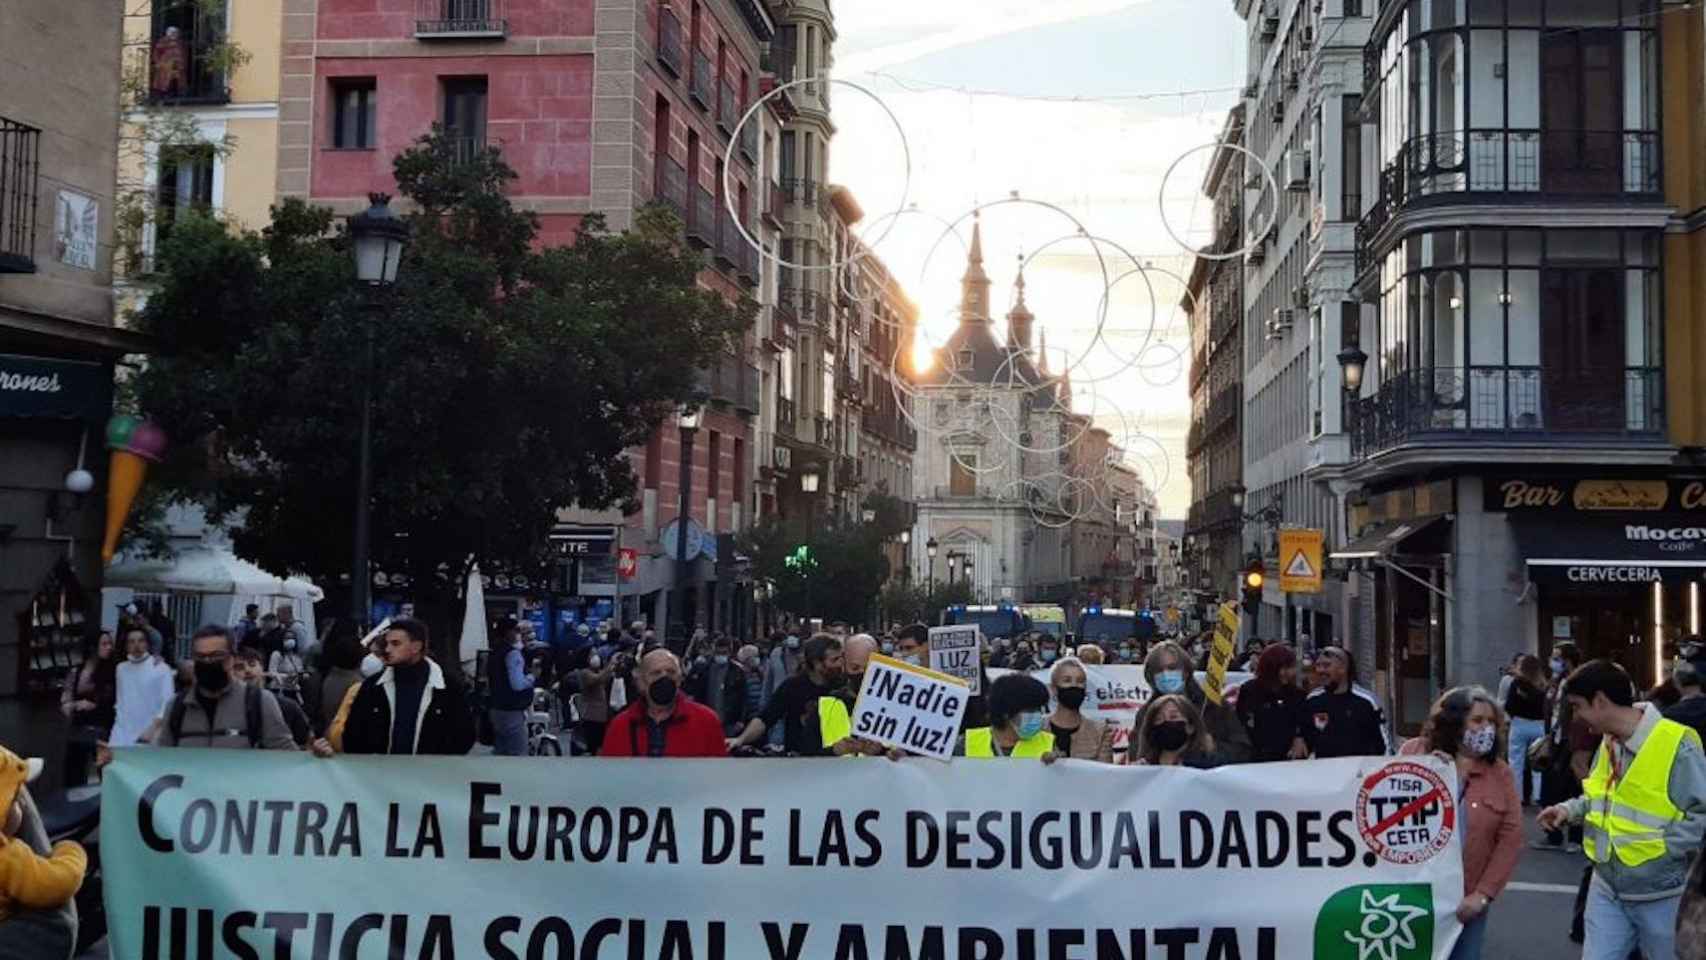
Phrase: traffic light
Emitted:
{"points": [[1254, 575]]}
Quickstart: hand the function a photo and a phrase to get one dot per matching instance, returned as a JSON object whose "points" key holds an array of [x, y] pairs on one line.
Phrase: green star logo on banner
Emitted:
{"points": [[1377, 922]]}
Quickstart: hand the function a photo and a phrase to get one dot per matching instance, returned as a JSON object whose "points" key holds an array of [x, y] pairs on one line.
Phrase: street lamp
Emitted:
{"points": [[688, 423], [378, 238], [1238, 492], [869, 515], [1352, 361], [930, 550]]}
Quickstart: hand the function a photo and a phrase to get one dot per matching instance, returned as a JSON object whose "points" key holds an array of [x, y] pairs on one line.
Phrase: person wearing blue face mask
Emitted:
{"points": [[718, 683], [1168, 670], [1018, 722]]}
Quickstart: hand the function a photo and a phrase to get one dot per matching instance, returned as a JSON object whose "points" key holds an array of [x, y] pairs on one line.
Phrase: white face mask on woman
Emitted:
{"points": [[371, 665]]}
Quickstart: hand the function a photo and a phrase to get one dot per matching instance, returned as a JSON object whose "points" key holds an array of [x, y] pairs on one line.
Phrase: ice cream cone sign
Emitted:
{"points": [[135, 443]]}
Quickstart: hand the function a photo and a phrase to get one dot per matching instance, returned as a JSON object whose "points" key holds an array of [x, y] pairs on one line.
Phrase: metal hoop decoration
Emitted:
{"points": [[729, 166], [1267, 174]]}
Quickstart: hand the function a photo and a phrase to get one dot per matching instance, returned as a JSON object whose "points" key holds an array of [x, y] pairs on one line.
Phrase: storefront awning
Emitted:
{"points": [[1648, 549], [1384, 539]]}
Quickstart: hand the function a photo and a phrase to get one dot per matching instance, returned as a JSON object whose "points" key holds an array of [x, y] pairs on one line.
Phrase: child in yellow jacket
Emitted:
{"points": [[29, 881]]}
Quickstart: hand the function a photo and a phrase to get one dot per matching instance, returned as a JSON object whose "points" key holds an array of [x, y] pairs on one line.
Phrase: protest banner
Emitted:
{"points": [[1220, 654], [250, 854], [909, 707], [958, 652], [1117, 692]]}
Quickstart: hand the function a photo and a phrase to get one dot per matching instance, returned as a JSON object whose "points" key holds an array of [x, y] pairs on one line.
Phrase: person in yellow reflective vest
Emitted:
{"points": [[1018, 722], [1642, 810], [834, 712]]}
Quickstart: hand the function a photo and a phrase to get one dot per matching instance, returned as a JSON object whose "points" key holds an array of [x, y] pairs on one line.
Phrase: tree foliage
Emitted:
{"points": [[841, 568], [914, 602], [509, 379]]}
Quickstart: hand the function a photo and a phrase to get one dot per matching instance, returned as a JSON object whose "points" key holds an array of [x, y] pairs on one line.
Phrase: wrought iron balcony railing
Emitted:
{"points": [[669, 41], [1569, 163], [784, 415], [702, 219], [184, 62], [702, 87], [20, 166], [1450, 404], [671, 186], [460, 20]]}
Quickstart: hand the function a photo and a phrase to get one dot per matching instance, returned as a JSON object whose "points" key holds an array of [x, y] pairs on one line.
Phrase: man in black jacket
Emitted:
{"points": [[1690, 678], [410, 707], [1342, 719], [720, 684]]}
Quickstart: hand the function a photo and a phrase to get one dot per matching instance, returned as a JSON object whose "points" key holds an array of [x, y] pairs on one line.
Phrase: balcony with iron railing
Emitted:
{"points": [[849, 472], [464, 149], [814, 308], [460, 20], [825, 432], [784, 415], [748, 142], [20, 166], [727, 248], [788, 305], [731, 382], [670, 42], [1526, 165], [728, 109], [184, 63], [702, 219], [703, 85], [671, 186], [1506, 405], [802, 192]]}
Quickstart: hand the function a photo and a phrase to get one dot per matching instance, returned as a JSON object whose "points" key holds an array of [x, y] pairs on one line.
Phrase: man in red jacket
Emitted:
{"points": [[665, 722]]}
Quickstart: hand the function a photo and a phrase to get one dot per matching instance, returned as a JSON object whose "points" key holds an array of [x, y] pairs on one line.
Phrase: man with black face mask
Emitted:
{"points": [[664, 722], [219, 711], [820, 674]]}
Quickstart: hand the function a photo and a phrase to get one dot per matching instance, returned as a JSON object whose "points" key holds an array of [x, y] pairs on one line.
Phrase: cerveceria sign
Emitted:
{"points": [[39, 387], [1555, 495]]}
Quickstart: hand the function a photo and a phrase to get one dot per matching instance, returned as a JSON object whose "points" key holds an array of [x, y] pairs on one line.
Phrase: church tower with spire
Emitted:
{"points": [[1020, 319], [974, 286]]}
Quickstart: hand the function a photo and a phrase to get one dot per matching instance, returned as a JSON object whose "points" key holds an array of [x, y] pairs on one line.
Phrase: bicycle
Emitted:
{"points": [[543, 717]]}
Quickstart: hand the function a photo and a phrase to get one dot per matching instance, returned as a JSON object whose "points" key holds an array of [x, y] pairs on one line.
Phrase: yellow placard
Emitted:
{"points": [[1300, 561], [1225, 629]]}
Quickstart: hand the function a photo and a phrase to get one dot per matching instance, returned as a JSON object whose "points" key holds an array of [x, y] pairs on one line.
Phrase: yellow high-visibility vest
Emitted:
{"points": [[833, 721], [980, 743], [1629, 818]]}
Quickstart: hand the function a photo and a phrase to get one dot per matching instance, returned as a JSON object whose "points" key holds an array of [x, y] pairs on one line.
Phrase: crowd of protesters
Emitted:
{"points": [[1580, 729]]}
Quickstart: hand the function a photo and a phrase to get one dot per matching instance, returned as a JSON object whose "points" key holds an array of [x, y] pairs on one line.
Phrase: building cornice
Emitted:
{"points": [[1408, 458]]}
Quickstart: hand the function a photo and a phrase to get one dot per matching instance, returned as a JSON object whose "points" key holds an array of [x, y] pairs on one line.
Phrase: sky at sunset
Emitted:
{"points": [[1078, 108]]}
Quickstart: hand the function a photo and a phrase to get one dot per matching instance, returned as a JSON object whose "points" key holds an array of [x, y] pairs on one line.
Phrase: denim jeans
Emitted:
{"points": [[1616, 927], [509, 733], [1472, 939], [1523, 733]]}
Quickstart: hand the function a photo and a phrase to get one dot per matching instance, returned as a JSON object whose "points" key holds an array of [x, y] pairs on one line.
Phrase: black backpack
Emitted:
{"points": [[251, 716]]}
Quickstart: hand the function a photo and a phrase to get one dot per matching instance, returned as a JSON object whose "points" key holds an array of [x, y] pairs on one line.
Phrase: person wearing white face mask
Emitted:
{"points": [[1018, 722], [285, 669], [1468, 729], [144, 686]]}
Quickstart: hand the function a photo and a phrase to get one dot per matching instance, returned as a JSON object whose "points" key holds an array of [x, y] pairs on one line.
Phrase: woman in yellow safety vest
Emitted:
{"points": [[1018, 722]]}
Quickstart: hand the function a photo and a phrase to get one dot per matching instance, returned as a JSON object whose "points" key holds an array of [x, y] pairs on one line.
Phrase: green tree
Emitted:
{"points": [[833, 571], [914, 602], [509, 381]]}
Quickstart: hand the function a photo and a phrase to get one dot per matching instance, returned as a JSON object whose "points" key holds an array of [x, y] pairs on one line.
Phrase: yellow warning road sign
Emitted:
{"points": [[1300, 561]]}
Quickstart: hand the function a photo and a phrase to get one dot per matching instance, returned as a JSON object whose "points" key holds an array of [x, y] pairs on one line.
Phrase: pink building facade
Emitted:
{"points": [[599, 106]]}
